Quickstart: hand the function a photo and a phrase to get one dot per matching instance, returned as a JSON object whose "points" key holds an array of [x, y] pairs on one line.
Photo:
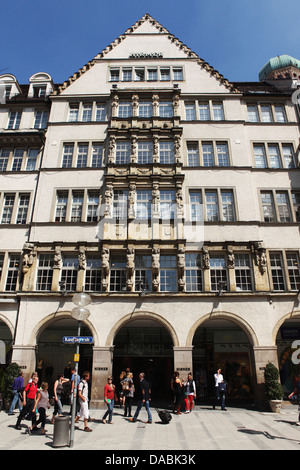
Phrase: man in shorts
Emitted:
{"points": [[83, 391]]}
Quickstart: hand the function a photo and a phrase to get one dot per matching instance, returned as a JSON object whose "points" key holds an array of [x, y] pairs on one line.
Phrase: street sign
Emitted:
{"points": [[78, 340]]}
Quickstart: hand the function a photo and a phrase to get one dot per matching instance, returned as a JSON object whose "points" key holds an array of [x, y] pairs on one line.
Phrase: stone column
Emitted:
{"points": [[261, 356], [102, 368], [183, 360]]}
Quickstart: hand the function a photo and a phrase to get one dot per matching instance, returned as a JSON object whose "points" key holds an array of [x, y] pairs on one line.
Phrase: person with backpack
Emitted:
{"points": [[83, 395], [17, 387], [29, 396]]}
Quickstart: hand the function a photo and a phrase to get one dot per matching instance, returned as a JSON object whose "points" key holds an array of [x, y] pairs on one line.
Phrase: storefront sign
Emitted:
{"points": [[78, 340]]}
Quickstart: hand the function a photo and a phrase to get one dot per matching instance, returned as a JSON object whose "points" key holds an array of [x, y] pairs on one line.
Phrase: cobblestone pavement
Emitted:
{"points": [[203, 429]]}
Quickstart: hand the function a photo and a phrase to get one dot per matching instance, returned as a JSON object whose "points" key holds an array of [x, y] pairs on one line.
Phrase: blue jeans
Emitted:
{"points": [[139, 407], [15, 400], [220, 396], [109, 412]]}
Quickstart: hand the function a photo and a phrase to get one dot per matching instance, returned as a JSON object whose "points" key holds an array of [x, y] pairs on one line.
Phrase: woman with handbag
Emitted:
{"points": [[128, 391], [109, 398]]}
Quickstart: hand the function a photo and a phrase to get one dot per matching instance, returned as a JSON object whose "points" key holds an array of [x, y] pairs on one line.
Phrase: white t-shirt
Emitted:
{"points": [[218, 379], [83, 387]]}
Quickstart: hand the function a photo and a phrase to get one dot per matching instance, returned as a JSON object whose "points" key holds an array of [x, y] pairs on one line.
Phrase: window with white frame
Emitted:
{"points": [[227, 204], [67, 159], [73, 112], [277, 271], [167, 204], [123, 150], [204, 113], [17, 159], [97, 155], [143, 204], [193, 154], [8, 207], [100, 112], [41, 119], [120, 204], [190, 111], [165, 109], [242, 269], [69, 272], [125, 109], [4, 156], [193, 272], [44, 272], [61, 206], [211, 205], [117, 273], [12, 272], [222, 154], [293, 270], [14, 120], [82, 155], [93, 273], [166, 152], [87, 109], [296, 204], [145, 152], [218, 273], [264, 112], [23, 206], [268, 206], [168, 273], [196, 206], [208, 154], [276, 206], [145, 109], [76, 206], [143, 272], [32, 155], [92, 206]]}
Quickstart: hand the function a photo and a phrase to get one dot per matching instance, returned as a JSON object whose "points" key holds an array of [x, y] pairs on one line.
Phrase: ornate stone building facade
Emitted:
{"points": [[172, 196]]}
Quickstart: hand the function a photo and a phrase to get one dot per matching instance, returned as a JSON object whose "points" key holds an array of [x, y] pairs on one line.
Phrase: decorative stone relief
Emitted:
{"points": [[29, 253]]}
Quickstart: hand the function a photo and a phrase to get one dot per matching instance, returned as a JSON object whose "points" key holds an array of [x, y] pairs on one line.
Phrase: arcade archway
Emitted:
{"points": [[54, 357], [145, 345], [221, 343]]}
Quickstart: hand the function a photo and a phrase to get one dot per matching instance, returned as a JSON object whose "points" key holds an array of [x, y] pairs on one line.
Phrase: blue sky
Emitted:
{"points": [[236, 37]]}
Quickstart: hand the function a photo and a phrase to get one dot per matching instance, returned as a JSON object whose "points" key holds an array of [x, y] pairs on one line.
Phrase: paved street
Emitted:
{"points": [[203, 429]]}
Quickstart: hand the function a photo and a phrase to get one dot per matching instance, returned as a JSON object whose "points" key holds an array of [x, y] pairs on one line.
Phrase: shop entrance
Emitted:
{"points": [[288, 367], [222, 344], [145, 346], [54, 357]]}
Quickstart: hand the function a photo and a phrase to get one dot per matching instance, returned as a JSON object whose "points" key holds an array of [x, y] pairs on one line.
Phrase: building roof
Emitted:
{"points": [[161, 30], [276, 63]]}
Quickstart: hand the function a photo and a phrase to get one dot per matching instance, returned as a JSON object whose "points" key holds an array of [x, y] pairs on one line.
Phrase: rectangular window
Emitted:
{"points": [[117, 273], [23, 206], [178, 74], [139, 74], [69, 273], [268, 207], [293, 270], [97, 153], [168, 273], [61, 206], [12, 272], [100, 112], [41, 119], [92, 206], [1, 264], [279, 113], [211, 203], [14, 120], [4, 156], [167, 205], [145, 109], [190, 111], [114, 75], [166, 152], [196, 206], [77, 205], [253, 113], [44, 272], [243, 278], [193, 153], [87, 112], [227, 204], [145, 152], [82, 155], [17, 160], [222, 155], [283, 206], [288, 156], [218, 111], [277, 271], [207, 154], [67, 155], [165, 74], [152, 74], [93, 273], [127, 75], [193, 272], [123, 150], [32, 155], [125, 109], [8, 206], [120, 204], [143, 273], [73, 112], [266, 113], [260, 156], [165, 109], [296, 204], [274, 156], [204, 114], [218, 273], [143, 204]]}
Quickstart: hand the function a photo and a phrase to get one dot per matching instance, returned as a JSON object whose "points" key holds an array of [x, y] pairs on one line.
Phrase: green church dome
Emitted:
{"points": [[276, 63]]}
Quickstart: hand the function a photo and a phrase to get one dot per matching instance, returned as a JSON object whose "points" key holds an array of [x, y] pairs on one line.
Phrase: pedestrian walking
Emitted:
{"points": [[296, 393], [190, 393], [128, 391], [73, 385], [17, 387], [144, 398], [58, 395], [220, 388], [109, 398], [41, 404], [176, 387], [83, 395], [29, 395]]}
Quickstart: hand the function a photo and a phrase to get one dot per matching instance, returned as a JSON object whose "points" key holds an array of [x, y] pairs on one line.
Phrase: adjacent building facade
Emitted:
{"points": [[172, 197]]}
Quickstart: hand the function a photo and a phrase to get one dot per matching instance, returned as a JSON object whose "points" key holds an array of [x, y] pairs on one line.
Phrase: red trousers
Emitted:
{"points": [[189, 402]]}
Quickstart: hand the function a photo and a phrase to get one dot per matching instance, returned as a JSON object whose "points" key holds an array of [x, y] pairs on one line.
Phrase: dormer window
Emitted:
{"points": [[41, 85]]}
